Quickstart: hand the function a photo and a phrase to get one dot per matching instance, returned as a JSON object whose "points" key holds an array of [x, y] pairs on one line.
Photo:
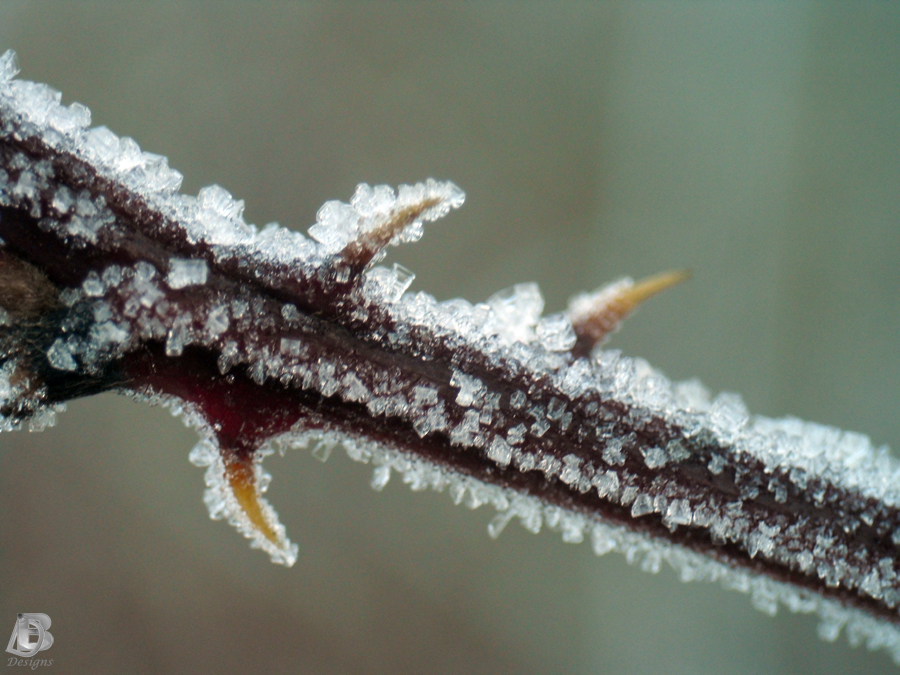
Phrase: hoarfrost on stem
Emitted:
{"points": [[266, 339]]}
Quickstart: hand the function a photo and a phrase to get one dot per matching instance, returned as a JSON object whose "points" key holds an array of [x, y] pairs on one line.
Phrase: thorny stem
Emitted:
{"points": [[818, 536]]}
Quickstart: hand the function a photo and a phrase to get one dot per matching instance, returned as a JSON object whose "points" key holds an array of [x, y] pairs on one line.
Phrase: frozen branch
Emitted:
{"points": [[112, 280]]}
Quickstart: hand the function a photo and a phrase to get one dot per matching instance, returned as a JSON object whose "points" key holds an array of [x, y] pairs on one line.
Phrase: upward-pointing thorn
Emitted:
{"points": [[360, 252], [595, 315], [412, 205]]}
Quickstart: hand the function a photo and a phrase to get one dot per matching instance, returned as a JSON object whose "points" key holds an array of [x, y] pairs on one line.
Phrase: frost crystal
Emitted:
{"points": [[92, 285], [678, 512], [217, 321], [556, 334], [514, 313], [612, 453], [9, 66], [184, 273], [337, 224], [642, 506], [471, 389], [655, 457], [390, 283], [500, 451], [60, 357]]}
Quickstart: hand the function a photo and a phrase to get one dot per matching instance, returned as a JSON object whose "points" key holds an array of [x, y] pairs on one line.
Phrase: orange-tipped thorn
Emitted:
{"points": [[242, 480], [361, 251], [597, 315]]}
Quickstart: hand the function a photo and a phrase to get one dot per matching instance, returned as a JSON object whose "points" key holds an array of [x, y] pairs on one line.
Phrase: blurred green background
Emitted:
{"points": [[756, 143]]}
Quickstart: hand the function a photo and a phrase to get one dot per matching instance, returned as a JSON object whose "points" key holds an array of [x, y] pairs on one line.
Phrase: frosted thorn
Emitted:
{"points": [[241, 476], [360, 252], [437, 198], [594, 316]]}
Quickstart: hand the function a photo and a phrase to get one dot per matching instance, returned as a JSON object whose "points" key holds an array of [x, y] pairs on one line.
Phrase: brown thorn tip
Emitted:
{"points": [[597, 315], [648, 287], [360, 252], [242, 480]]}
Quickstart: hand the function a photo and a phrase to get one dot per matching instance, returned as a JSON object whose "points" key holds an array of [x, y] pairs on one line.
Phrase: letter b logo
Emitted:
{"points": [[32, 634]]}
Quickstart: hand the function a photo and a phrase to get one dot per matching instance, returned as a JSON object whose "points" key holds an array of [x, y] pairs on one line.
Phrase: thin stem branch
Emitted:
{"points": [[111, 280]]}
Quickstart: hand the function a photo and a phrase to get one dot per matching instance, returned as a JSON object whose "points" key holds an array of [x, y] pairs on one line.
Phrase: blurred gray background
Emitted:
{"points": [[756, 143]]}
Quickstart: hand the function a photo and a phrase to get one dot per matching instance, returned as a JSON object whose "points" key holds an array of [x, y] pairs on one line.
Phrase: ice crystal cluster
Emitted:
{"points": [[267, 339]]}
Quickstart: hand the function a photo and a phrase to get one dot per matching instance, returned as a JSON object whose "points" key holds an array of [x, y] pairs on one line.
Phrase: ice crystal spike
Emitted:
{"points": [[266, 340], [594, 316]]}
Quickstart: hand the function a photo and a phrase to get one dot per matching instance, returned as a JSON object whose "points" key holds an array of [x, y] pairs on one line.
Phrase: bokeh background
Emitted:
{"points": [[756, 143]]}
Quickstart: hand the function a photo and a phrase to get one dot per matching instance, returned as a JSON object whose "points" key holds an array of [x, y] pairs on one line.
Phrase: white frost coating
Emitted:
{"points": [[471, 389], [222, 504], [849, 461], [506, 330], [499, 451], [217, 322], [9, 66], [213, 216], [766, 594], [654, 457], [390, 284], [514, 312], [60, 356], [556, 334], [337, 223], [184, 273]]}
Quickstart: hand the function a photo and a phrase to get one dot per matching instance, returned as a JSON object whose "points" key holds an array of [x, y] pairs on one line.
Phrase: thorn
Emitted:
{"points": [[412, 205], [647, 288], [597, 315], [360, 252], [242, 480]]}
